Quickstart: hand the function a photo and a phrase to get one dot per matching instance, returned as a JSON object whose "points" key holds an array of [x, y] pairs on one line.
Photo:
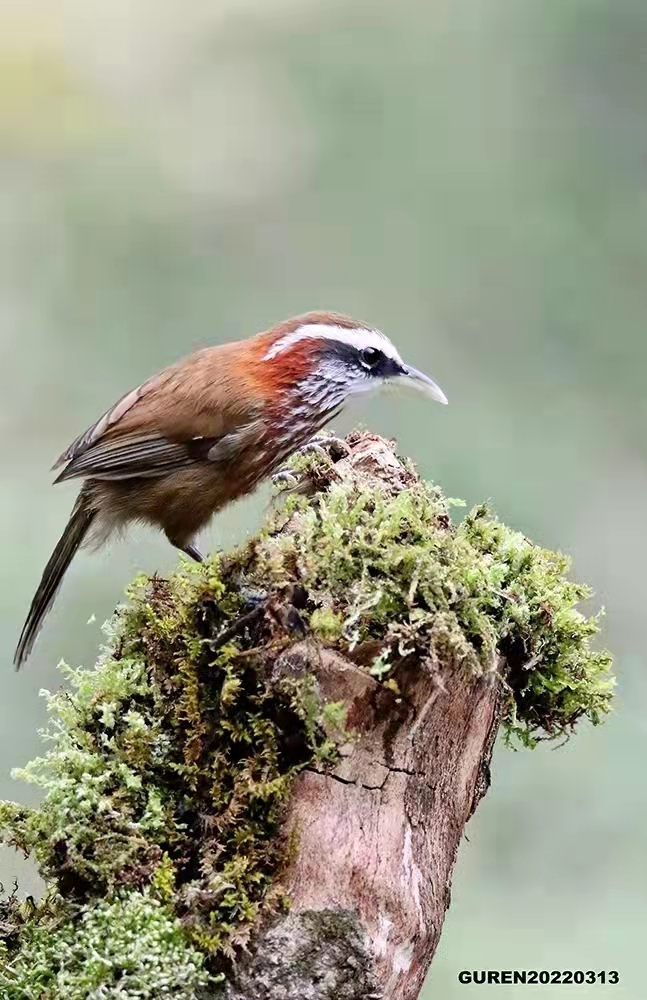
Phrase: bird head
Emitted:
{"points": [[324, 358]]}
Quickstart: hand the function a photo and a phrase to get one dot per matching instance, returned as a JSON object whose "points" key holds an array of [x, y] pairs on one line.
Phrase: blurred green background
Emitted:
{"points": [[470, 177]]}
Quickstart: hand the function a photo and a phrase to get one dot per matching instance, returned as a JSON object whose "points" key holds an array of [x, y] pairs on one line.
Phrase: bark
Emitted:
{"points": [[374, 841]]}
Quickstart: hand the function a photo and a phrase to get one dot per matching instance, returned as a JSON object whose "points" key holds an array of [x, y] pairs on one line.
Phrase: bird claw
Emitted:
{"points": [[285, 477], [325, 444], [336, 446], [313, 448]]}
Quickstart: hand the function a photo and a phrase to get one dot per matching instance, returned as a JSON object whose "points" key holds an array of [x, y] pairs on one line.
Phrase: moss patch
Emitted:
{"points": [[129, 946], [388, 575], [171, 761]]}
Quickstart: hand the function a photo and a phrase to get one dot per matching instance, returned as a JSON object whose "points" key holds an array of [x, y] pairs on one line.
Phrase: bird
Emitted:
{"points": [[206, 430]]}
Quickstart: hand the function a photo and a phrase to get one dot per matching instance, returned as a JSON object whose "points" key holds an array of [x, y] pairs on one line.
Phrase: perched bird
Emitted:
{"points": [[208, 429]]}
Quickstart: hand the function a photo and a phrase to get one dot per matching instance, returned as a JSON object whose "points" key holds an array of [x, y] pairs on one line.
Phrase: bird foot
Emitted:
{"points": [[285, 477], [333, 446], [325, 444]]}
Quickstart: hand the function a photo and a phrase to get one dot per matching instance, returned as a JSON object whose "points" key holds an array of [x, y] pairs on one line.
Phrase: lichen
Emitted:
{"points": [[171, 761]]}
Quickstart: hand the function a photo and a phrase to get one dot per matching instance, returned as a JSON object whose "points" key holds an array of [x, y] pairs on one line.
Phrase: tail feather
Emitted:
{"points": [[77, 527]]}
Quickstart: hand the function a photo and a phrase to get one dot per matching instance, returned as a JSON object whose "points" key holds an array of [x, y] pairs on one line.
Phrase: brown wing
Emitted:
{"points": [[106, 420], [128, 457], [188, 413]]}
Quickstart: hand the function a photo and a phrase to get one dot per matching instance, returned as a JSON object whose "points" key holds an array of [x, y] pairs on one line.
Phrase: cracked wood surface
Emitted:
{"points": [[379, 834]]}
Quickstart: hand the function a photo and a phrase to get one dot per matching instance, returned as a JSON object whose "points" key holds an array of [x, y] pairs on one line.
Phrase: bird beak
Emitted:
{"points": [[425, 384]]}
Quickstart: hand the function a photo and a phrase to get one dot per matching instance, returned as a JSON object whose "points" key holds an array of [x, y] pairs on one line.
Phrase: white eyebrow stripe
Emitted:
{"points": [[358, 337]]}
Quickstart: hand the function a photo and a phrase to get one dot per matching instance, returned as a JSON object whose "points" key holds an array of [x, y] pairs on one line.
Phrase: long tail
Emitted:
{"points": [[77, 527]]}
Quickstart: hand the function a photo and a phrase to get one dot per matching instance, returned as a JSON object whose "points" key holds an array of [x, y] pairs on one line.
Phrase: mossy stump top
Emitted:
{"points": [[351, 664]]}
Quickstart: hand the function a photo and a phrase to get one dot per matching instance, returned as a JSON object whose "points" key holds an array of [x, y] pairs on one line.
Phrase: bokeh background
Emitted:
{"points": [[472, 178]]}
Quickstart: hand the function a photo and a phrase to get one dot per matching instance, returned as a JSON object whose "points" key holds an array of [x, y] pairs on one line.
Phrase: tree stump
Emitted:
{"points": [[259, 791], [377, 837]]}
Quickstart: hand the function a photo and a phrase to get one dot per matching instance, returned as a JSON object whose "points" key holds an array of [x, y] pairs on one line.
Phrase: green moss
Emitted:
{"points": [[404, 581], [170, 762], [326, 624], [130, 946]]}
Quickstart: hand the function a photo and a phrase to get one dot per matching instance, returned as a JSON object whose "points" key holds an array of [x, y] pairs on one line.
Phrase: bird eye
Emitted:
{"points": [[370, 356]]}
